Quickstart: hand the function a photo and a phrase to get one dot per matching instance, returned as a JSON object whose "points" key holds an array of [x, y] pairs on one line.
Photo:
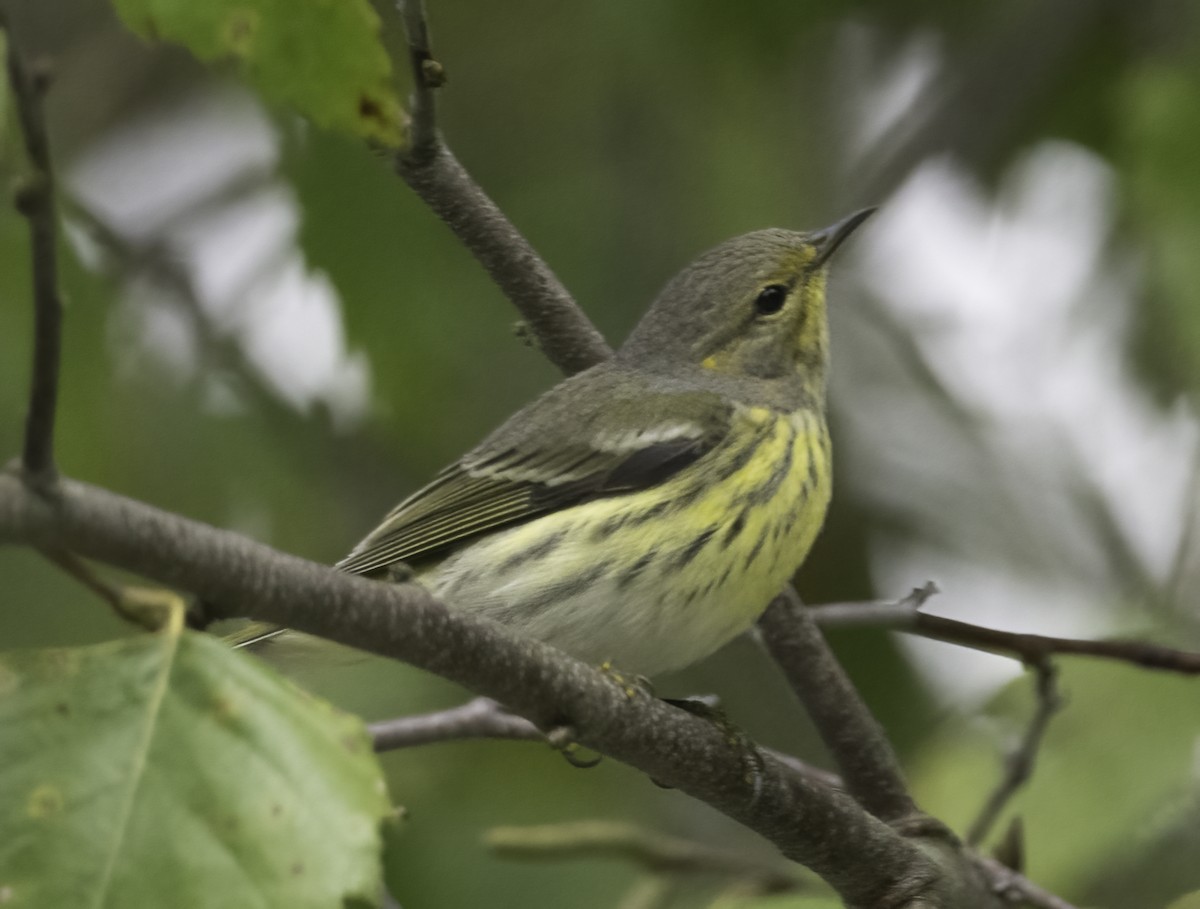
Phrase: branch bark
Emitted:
{"points": [[564, 333], [868, 863], [35, 200], [1018, 766], [905, 615], [481, 718], [868, 764]]}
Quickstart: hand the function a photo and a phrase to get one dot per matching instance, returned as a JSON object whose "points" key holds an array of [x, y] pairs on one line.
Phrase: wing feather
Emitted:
{"points": [[532, 466]]}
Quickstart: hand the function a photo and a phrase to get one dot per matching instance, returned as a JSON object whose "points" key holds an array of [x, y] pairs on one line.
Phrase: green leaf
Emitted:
{"points": [[322, 56], [168, 770]]}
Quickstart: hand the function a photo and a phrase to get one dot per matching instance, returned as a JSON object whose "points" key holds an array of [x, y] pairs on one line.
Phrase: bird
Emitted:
{"points": [[645, 511]]}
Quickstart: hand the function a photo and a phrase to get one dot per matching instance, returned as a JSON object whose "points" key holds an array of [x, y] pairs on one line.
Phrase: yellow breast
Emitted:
{"points": [[657, 579], [770, 505]]}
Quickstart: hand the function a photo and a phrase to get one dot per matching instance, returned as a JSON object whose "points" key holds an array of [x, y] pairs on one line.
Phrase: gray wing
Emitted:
{"points": [[559, 451]]}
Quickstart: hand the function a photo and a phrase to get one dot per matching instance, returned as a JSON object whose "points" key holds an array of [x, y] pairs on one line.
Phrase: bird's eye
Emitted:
{"points": [[771, 299]]}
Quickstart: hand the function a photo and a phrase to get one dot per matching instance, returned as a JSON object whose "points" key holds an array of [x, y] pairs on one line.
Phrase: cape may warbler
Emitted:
{"points": [[647, 510]]}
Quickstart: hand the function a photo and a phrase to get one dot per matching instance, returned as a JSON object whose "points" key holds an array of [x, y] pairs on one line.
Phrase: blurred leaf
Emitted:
{"points": [[1159, 863], [323, 57], [1160, 148], [169, 770], [393, 851], [1191, 901], [1121, 749]]}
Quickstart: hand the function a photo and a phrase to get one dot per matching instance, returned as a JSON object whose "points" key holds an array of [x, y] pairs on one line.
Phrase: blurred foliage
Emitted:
{"points": [[1159, 151], [1097, 789], [622, 138], [324, 58]]}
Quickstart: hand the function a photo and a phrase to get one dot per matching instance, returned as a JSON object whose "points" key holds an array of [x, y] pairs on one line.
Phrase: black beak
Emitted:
{"points": [[828, 240]]}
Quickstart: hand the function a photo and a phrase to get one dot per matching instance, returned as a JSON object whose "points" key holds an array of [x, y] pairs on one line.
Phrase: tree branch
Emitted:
{"points": [[565, 335], [35, 200], [863, 754], [654, 851], [427, 75], [868, 863], [1014, 888], [1018, 766], [905, 615], [481, 718]]}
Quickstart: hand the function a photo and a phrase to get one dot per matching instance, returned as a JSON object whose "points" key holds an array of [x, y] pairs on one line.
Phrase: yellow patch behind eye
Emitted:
{"points": [[709, 363]]}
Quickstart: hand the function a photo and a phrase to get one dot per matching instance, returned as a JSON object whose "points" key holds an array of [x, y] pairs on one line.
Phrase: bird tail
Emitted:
{"points": [[254, 636]]}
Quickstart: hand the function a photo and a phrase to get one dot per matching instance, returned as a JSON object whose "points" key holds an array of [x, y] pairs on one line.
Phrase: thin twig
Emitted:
{"points": [[905, 615], [873, 613], [1015, 888], [481, 718], [82, 572], [1018, 765], [656, 852], [35, 200], [564, 333], [857, 742], [428, 75], [147, 607]]}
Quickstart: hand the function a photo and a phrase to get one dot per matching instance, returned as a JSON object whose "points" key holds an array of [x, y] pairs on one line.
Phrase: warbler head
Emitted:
{"points": [[752, 308]]}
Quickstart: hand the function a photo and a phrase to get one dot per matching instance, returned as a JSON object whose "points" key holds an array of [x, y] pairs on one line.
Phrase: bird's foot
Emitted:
{"points": [[562, 740], [562, 737], [633, 685], [708, 707]]}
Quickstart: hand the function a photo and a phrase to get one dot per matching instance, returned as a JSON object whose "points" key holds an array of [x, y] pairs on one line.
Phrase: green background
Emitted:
{"points": [[623, 138]]}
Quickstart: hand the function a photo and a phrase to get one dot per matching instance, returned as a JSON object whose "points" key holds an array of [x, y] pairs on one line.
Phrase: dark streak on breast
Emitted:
{"points": [[652, 512], [538, 550], [630, 574], [694, 547], [738, 525], [745, 454], [782, 468], [574, 587], [756, 550]]}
